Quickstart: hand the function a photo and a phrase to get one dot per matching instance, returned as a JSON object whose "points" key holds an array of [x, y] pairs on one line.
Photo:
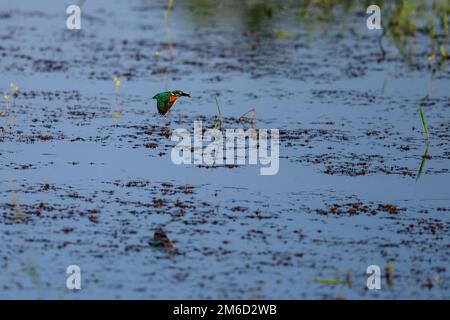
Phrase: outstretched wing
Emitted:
{"points": [[162, 102], [166, 102]]}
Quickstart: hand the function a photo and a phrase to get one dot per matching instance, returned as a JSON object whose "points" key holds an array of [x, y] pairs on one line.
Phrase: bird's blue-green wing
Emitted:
{"points": [[162, 101]]}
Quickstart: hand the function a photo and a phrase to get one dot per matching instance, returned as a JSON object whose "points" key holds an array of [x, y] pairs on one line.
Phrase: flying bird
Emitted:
{"points": [[166, 100]]}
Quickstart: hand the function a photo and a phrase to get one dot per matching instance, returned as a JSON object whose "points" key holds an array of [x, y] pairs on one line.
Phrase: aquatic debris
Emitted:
{"points": [[358, 208], [388, 208], [159, 203], [151, 145], [93, 218], [252, 117], [165, 132], [44, 137], [162, 241], [67, 229]]}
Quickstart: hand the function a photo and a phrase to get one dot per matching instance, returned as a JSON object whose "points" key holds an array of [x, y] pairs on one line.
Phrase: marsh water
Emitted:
{"points": [[87, 178]]}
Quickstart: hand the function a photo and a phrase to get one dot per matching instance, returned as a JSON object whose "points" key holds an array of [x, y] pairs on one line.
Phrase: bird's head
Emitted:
{"points": [[180, 93]]}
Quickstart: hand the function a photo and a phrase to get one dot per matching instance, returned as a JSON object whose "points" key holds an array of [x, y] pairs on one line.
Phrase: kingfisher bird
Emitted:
{"points": [[166, 100]]}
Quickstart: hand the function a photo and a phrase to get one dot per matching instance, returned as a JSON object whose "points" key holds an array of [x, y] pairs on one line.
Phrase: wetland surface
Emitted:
{"points": [[86, 176]]}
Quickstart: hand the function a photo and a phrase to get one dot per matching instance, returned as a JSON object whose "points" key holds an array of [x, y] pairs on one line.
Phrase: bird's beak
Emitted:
{"points": [[186, 95]]}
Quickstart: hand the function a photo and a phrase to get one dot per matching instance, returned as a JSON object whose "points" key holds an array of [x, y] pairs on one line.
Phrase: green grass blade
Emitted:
{"points": [[330, 281], [422, 164], [220, 113], [424, 123]]}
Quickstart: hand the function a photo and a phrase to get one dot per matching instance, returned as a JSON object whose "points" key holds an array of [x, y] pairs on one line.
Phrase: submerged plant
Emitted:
{"points": [[282, 34]]}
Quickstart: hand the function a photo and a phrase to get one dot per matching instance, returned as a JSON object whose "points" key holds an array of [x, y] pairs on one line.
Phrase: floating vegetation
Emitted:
{"points": [[162, 241], [335, 281], [282, 34], [330, 281]]}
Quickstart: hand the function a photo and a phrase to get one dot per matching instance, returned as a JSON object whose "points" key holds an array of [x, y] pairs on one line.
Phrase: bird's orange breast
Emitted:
{"points": [[172, 99]]}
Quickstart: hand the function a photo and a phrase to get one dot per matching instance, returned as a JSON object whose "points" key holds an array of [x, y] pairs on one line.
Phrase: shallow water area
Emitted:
{"points": [[82, 184]]}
